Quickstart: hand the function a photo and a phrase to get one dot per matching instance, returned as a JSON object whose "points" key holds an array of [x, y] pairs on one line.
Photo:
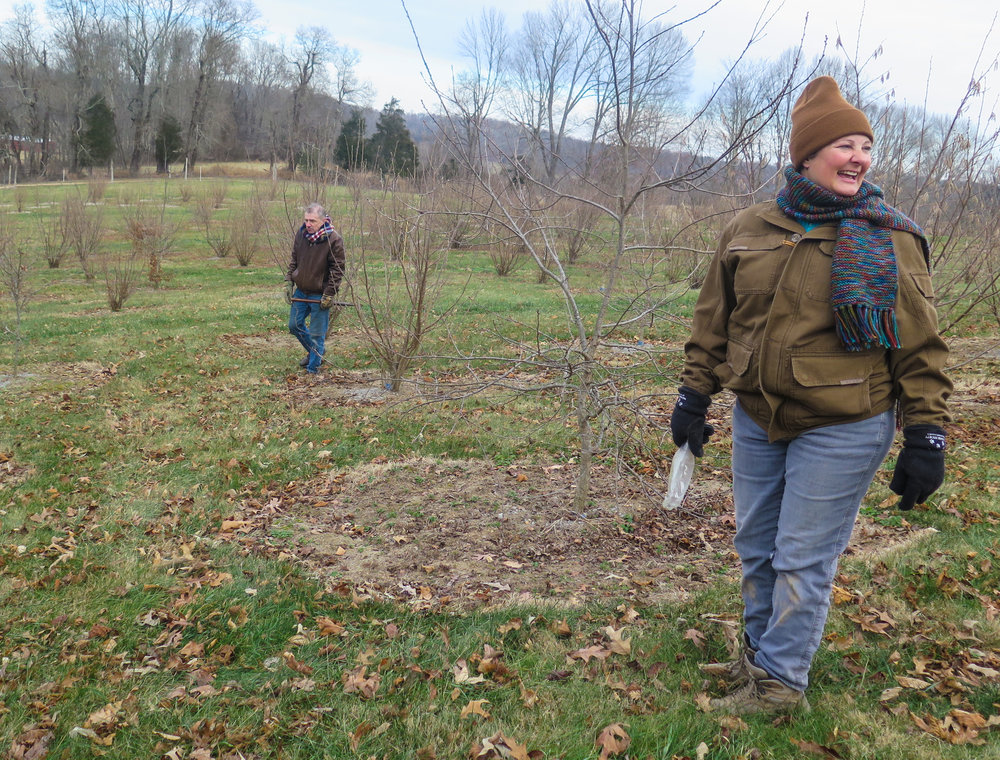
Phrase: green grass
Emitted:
{"points": [[132, 626]]}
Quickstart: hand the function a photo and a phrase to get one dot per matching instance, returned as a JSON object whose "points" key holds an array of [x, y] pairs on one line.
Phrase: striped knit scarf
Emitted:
{"points": [[321, 234], [863, 277]]}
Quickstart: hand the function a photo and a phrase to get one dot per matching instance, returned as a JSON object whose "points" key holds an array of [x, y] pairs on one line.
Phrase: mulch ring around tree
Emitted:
{"points": [[467, 533]]}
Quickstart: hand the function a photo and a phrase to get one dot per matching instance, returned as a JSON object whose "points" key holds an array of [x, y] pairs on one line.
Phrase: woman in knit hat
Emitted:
{"points": [[817, 313]]}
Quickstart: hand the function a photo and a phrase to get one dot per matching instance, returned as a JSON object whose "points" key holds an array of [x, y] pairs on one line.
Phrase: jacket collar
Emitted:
{"points": [[770, 213]]}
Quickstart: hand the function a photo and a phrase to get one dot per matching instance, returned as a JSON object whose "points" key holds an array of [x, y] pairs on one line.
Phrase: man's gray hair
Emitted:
{"points": [[315, 208]]}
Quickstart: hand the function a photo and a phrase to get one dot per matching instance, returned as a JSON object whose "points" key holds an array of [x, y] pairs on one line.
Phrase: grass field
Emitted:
{"points": [[206, 554]]}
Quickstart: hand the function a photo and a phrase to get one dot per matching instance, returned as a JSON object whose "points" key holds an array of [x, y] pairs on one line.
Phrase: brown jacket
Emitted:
{"points": [[764, 328], [317, 267]]}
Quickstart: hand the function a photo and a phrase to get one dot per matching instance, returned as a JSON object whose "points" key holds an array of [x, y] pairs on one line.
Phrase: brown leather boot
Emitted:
{"points": [[761, 694], [732, 673]]}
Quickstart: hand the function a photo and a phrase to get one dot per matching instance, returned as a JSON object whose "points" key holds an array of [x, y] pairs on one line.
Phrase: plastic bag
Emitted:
{"points": [[681, 470]]}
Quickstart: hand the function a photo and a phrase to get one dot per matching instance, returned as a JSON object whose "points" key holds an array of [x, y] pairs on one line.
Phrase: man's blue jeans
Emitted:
{"points": [[796, 504], [311, 336]]}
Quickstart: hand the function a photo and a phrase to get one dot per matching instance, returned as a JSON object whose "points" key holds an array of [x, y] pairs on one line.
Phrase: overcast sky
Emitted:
{"points": [[928, 42], [930, 46]]}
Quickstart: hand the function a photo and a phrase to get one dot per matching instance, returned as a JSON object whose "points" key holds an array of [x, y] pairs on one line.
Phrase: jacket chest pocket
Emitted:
{"points": [[819, 268], [757, 262]]}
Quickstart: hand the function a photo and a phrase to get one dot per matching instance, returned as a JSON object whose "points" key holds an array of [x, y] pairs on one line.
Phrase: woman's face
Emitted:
{"points": [[840, 166]]}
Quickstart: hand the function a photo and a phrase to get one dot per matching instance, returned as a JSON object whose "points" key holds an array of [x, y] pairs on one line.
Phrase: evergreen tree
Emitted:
{"points": [[169, 143], [96, 144], [350, 150], [391, 149]]}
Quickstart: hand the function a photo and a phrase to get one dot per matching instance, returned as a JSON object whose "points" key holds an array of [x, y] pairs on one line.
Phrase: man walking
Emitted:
{"points": [[312, 282]]}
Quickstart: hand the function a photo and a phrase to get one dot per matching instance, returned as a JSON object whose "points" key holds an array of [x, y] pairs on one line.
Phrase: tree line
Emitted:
{"points": [[128, 81]]}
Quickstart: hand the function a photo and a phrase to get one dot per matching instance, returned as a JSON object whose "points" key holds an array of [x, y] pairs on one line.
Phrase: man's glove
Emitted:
{"points": [[325, 302], [687, 423], [920, 467], [289, 290]]}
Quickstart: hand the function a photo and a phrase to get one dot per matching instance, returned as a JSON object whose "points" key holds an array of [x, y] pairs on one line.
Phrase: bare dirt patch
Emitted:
{"points": [[338, 388], [469, 533]]}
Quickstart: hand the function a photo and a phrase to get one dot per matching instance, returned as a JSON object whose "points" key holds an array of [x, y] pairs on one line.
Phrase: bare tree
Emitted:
{"points": [[84, 228], [552, 70], [120, 273], [24, 59], [55, 242], [15, 276], [474, 90], [145, 28], [754, 171], [645, 146], [398, 299], [244, 235], [312, 51], [218, 237], [150, 234], [222, 26], [507, 253], [82, 41], [257, 107], [348, 85]]}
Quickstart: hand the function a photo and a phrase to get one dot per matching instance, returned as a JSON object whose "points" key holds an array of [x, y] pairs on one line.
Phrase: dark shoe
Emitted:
{"points": [[304, 361], [761, 694]]}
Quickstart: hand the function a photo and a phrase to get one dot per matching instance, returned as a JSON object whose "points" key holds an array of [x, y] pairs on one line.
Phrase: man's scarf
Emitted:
{"points": [[321, 234], [864, 276]]}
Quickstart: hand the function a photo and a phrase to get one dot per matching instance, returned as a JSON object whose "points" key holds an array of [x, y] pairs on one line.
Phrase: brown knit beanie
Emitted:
{"points": [[819, 117]]}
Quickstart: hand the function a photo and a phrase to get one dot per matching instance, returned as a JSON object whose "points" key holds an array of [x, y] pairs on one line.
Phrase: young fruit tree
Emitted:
{"points": [[15, 276], [644, 152]]}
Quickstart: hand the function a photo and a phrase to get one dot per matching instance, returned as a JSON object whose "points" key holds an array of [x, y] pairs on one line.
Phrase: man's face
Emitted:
{"points": [[312, 221]]}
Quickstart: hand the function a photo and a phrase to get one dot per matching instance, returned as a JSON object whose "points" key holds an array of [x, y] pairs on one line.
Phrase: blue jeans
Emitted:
{"points": [[313, 336], [796, 504]]}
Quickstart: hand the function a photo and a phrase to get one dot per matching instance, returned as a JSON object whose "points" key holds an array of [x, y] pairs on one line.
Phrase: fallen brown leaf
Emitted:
{"points": [[461, 673], [595, 651], [475, 707], [328, 627], [696, 637], [298, 667], [618, 643], [357, 682], [912, 683], [612, 740], [500, 747]]}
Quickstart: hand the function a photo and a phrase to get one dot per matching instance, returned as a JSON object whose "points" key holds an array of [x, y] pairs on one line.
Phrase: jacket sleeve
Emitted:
{"points": [[706, 347], [294, 261], [335, 262], [917, 368]]}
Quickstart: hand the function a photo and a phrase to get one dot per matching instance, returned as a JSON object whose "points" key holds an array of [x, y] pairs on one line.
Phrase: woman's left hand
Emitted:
{"points": [[920, 467]]}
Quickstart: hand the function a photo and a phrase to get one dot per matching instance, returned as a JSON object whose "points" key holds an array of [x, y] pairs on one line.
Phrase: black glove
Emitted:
{"points": [[326, 302], [687, 423], [289, 290], [920, 467]]}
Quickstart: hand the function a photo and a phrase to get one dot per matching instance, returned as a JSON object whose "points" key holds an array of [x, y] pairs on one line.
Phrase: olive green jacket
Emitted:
{"points": [[764, 328]]}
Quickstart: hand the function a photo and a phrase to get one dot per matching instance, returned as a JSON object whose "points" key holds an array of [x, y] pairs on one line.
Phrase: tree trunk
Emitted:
{"points": [[581, 494]]}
